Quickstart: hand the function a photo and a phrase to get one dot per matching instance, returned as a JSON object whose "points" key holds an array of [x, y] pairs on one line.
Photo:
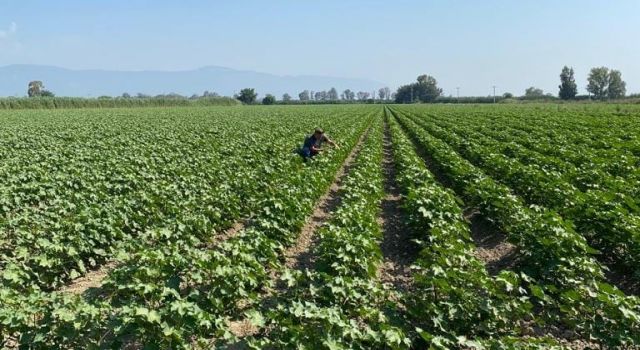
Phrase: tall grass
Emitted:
{"points": [[79, 102]]}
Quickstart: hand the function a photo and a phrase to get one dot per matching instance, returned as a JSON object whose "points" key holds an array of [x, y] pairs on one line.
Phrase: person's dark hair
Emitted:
{"points": [[319, 131]]}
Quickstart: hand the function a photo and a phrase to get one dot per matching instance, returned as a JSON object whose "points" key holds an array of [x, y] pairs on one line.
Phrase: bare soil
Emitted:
{"points": [[301, 256], [93, 279], [623, 280], [9, 341], [398, 250], [241, 328], [565, 337], [491, 244], [439, 175], [228, 233]]}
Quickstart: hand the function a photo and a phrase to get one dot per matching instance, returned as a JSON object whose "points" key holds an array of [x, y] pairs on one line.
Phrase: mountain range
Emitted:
{"points": [[14, 80]]}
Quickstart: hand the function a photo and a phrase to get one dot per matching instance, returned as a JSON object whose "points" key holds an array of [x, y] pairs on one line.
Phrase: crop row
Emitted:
{"points": [[170, 289], [341, 302], [605, 133], [591, 171], [554, 260], [456, 303], [58, 235], [73, 192], [155, 190], [603, 217], [587, 142]]}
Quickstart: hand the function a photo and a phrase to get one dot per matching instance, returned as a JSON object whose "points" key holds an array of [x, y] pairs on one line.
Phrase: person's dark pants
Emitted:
{"points": [[307, 153]]}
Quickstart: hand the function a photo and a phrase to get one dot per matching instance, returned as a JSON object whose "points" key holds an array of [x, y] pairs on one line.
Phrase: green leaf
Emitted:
{"points": [[153, 317], [256, 318]]}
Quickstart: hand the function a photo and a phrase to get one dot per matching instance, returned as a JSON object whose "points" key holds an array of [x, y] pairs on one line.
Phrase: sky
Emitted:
{"points": [[468, 44]]}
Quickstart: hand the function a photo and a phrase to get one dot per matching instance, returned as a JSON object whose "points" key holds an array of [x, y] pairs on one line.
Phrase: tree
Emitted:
{"points": [[269, 100], [598, 82], [286, 97], [387, 92], [47, 93], [605, 83], [533, 92], [507, 95], [363, 95], [304, 95], [126, 95], [35, 88], [321, 96], [173, 95], [425, 90], [332, 94], [349, 95], [247, 95], [428, 89], [381, 94], [617, 87], [568, 87], [404, 94]]}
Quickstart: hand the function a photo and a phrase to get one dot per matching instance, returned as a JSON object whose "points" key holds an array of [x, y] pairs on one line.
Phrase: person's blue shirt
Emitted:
{"points": [[312, 144], [311, 141]]}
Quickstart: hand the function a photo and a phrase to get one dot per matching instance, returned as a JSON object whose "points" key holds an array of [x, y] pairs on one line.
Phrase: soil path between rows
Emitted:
{"points": [[491, 245], [94, 278], [398, 250], [494, 249], [499, 254], [301, 256]]}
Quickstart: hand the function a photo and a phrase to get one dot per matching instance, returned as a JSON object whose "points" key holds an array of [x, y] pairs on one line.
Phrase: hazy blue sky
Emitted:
{"points": [[470, 44]]}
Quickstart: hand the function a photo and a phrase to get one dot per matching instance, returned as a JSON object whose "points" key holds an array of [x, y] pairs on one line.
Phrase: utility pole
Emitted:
{"points": [[458, 94], [494, 94]]}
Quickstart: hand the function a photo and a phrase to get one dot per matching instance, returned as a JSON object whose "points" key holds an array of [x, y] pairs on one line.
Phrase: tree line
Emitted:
{"points": [[603, 84], [249, 96], [246, 95], [36, 89]]}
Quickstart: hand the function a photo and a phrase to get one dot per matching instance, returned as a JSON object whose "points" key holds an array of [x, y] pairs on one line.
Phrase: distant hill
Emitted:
{"points": [[225, 81]]}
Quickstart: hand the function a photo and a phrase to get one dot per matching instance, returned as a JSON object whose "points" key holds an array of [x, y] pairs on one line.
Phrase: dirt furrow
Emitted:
{"points": [[492, 246], [398, 250], [93, 279], [491, 243], [300, 256]]}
